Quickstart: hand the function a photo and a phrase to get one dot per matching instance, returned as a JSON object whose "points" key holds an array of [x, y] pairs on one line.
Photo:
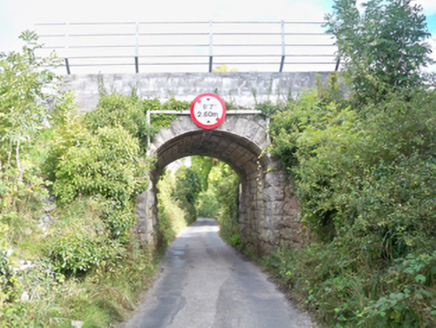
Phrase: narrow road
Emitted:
{"points": [[206, 283]]}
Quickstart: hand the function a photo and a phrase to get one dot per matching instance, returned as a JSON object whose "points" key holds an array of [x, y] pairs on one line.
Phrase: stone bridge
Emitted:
{"points": [[268, 208]]}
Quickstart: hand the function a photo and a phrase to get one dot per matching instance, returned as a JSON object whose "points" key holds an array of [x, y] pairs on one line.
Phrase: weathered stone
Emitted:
{"points": [[250, 130], [260, 136], [293, 202], [176, 127], [274, 194], [229, 124], [158, 140], [277, 207], [166, 133]]}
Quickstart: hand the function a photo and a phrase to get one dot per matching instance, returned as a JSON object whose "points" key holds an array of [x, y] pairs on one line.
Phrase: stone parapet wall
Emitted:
{"points": [[235, 88]]}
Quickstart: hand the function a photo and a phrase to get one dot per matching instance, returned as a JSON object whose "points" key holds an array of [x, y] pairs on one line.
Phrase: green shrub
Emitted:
{"points": [[382, 46], [115, 110], [188, 187], [106, 163], [208, 205], [366, 187], [159, 121], [171, 216], [80, 251], [89, 239], [78, 240], [225, 182]]}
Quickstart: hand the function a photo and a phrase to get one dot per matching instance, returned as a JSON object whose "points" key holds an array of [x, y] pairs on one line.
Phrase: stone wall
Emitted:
{"points": [[236, 88]]}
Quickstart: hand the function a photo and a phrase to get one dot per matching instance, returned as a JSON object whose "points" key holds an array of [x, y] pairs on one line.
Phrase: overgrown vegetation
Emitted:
{"points": [[68, 187], [68, 247], [224, 183], [383, 48], [364, 170], [171, 216]]}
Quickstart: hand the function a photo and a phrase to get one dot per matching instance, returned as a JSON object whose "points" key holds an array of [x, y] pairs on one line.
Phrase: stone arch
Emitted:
{"points": [[265, 211]]}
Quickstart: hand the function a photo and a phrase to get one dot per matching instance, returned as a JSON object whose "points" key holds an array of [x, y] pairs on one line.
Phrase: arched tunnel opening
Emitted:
{"points": [[241, 155], [266, 209]]}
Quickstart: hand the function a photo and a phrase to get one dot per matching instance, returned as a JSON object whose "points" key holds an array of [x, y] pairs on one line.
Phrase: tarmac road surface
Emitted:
{"points": [[205, 283]]}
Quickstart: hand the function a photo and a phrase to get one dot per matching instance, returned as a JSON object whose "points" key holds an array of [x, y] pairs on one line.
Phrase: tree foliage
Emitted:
{"points": [[188, 187], [383, 48], [363, 171], [366, 186], [23, 78]]}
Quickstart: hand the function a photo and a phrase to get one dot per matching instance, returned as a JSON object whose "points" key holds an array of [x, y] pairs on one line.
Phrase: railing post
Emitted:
{"points": [[67, 65], [337, 64], [282, 62], [136, 48], [210, 46]]}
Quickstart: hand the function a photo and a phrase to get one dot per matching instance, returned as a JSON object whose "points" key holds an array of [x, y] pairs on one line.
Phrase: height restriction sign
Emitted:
{"points": [[208, 111]]}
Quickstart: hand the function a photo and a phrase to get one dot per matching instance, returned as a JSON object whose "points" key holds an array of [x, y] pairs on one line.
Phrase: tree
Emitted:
{"points": [[188, 187], [23, 78], [383, 48]]}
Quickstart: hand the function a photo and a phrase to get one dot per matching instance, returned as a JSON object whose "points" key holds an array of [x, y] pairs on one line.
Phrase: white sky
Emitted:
{"points": [[18, 15]]}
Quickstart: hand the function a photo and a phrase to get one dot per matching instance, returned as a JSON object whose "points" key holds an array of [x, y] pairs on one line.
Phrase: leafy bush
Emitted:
{"points": [[115, 110], [101, 298], [131, 113], [225, 183], [106, 163], [79, 251], [27, 93], [95, 173], [367, 194], [159, 121], [188, 187], [208, 205], [24, 79], [171, 216], [383, 48]]}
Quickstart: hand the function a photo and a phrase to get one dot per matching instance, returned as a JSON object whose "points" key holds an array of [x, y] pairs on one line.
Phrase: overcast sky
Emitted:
{"points": [[18, 15]]}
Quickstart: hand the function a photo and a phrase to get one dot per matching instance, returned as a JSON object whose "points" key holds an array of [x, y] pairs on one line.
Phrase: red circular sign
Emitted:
{"points": [[208, 111]]}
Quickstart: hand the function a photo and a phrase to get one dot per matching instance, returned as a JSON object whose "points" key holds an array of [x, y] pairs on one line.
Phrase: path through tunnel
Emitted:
{"points": [[198, 187]]}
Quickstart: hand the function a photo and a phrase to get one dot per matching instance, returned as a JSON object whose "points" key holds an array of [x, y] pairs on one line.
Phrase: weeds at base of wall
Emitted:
{"points": [[42, 298]]}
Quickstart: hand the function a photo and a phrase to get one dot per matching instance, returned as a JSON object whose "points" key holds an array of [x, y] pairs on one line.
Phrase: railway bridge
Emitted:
{"points": [[268, 207]]}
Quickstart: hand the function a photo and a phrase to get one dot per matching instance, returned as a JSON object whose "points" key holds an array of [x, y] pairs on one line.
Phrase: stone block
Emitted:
{"points": [[176, 127], [273, 194], [250, 129], [240, 126], [293, 203], [166, 134], [277, 207], [158, 140], [260, 138], [229, 124]]}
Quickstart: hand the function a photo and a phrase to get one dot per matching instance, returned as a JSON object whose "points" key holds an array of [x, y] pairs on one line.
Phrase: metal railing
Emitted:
{"points": [[259, 46]]}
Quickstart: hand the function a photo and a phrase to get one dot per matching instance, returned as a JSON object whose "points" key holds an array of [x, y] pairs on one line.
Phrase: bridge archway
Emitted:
{"points": [[267, 208]]}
